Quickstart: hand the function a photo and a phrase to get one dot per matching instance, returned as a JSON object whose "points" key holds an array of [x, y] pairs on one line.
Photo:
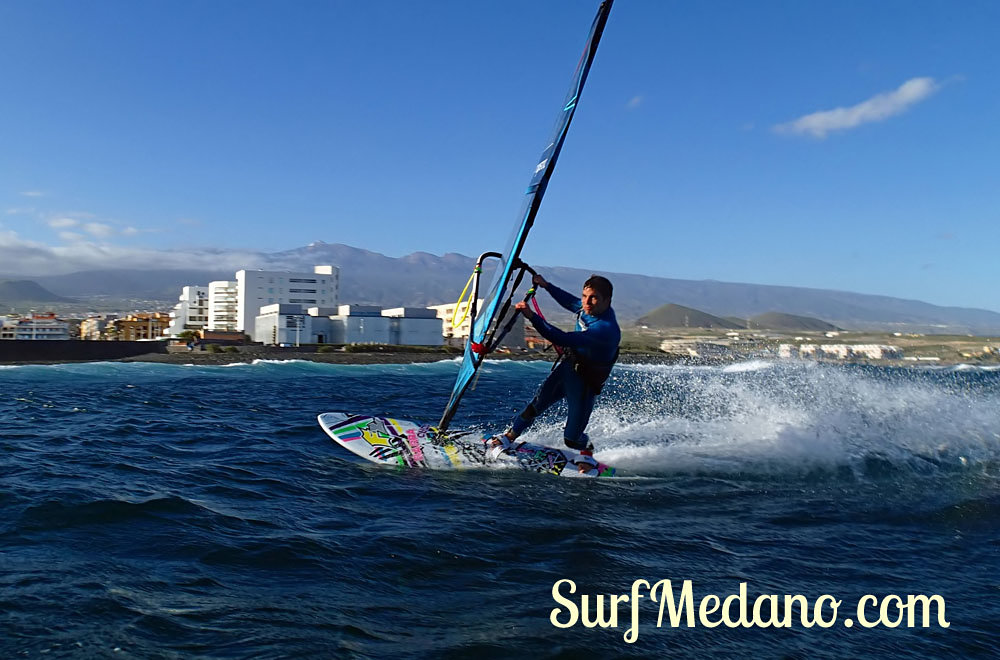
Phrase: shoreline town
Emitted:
{"points": [[286, 315]]}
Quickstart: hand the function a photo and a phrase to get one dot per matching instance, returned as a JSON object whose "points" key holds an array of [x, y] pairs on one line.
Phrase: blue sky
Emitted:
{"points": [[840, 145]]}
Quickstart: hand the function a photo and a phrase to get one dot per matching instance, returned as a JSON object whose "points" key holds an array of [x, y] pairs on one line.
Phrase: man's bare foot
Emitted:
{"points": [[495, 446]]}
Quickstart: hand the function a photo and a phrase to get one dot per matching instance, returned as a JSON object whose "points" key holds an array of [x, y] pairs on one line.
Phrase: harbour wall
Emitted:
{"points": [[27, 350]]}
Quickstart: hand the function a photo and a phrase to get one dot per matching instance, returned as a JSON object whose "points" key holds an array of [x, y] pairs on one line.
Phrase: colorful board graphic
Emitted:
{"points": [[405, 444]]}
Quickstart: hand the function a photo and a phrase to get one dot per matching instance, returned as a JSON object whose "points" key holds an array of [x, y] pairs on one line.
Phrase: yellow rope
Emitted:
{"points": [[455, 323]]}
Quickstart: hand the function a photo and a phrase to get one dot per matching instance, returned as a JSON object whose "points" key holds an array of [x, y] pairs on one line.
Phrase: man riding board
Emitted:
{"points": [[589, 353]]}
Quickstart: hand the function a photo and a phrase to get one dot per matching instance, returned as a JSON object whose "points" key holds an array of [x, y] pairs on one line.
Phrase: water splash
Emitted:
{"points": [[794, 418]]}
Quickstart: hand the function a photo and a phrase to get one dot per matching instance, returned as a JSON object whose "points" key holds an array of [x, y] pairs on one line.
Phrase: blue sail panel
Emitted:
{"points": [[486, 321]]}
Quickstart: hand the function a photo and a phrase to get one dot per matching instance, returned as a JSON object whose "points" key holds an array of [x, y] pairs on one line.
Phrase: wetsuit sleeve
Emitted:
{"points": [[599, 334], [564, 298]]}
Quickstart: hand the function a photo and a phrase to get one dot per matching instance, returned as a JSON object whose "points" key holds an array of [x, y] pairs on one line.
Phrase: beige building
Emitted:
{"points": [[447, 314], [93, 328], [456, 335], [139, 326]]}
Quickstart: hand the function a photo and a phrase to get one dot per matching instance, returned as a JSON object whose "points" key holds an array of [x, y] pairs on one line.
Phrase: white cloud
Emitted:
{"points": [[634, 102], [70, 236], [877, 108], [24, 258], [85, 222], [79, 220], [99, 229], [33, 193]]}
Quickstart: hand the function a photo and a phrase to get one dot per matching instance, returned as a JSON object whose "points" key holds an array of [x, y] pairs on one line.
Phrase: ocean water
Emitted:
{"points": [[165, 511]]}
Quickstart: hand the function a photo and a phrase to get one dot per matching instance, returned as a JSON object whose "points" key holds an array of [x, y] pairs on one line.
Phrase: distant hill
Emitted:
{"points": [[427, 279], [149, 284], [779, 321], [27, 291], [677, 316]]}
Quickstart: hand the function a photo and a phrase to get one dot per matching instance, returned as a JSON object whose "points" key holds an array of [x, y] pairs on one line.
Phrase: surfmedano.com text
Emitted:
{"points": [[677, 609]]}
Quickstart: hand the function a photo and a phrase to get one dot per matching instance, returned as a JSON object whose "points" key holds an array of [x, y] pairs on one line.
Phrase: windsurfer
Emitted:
{"points": [[589, 353]]}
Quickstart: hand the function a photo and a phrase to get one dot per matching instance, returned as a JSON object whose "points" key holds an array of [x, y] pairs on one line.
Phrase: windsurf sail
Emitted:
{"points": [[487, 319]]}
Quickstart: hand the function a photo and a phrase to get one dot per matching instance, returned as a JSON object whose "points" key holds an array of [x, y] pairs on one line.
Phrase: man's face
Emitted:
{"points": [[593, 302]]}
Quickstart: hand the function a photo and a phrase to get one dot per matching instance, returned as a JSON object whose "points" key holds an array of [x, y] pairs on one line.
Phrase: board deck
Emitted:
{"points": [[404, 444]]}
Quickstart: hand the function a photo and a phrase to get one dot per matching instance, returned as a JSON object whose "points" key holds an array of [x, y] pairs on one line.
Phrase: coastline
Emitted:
{"points": [[398, 355], [360, 357], [248, 354], [261, 353]]}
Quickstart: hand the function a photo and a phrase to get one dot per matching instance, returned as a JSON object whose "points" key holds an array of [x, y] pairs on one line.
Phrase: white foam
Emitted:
{"points": [[753, 365], [788, 418], [260, 361]]}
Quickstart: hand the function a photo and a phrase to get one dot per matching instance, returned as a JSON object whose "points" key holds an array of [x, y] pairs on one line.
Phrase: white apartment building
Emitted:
{"points": [[360, 324], [191, 313], [699, 347], [831, 351], [288, 324], [222, 303], [414, 326], [36, 327], [260, 288], [283, 325], [841, 351]]}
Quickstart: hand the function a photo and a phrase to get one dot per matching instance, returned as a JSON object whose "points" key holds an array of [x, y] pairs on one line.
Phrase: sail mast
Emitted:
{"points": [[485, 323]]}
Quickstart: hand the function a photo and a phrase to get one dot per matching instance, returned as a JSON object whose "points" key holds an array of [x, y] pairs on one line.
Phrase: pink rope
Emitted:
{"points": [[538, 310]]}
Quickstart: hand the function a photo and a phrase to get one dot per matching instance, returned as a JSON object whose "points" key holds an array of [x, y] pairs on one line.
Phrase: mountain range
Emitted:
{"points": [[671, 316], [678, 316], [18, 291], [423, 279]]}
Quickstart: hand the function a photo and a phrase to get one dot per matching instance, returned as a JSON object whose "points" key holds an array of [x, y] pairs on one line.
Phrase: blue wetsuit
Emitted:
{"points": [[593, 349]]}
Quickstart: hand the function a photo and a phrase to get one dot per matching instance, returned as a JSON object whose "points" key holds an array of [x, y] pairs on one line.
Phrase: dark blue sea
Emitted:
{"points": [[166, 511]]}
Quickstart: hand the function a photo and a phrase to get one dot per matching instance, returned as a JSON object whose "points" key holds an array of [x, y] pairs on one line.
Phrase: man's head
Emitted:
{"points": [[596, 297]]}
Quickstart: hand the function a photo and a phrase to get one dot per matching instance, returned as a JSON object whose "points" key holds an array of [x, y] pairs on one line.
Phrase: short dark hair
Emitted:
{"points": [[601, 285]]}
